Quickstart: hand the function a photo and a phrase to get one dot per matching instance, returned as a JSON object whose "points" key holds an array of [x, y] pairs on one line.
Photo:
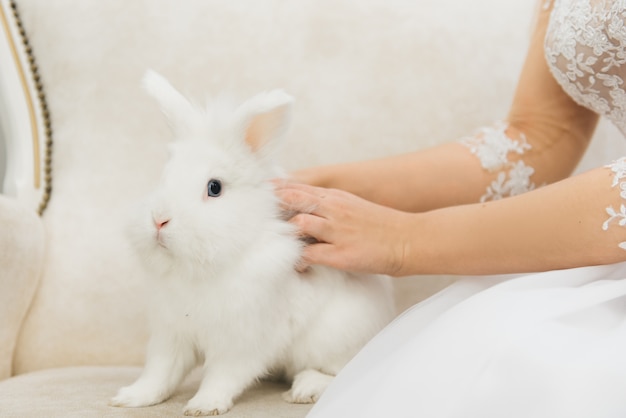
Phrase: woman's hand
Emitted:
{"points": [[345, 231]]}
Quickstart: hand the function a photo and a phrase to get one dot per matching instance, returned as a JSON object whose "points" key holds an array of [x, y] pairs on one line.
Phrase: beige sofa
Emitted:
{"points": [[370, 77]]}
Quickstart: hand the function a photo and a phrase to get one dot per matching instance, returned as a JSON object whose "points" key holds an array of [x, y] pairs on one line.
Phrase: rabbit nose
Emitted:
{"points": [[160, 223]]}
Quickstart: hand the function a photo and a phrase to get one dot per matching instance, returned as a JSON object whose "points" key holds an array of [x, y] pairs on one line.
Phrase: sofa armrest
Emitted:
{"points": [[21, 262]]}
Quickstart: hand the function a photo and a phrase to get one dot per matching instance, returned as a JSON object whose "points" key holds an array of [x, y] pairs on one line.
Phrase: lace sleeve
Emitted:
{"points": [[585, 50], [547, 132], [617, 216], [492, 146]]}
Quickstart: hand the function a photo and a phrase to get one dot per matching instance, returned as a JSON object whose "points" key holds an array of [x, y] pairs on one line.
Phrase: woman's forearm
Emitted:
{"points": [[556, 227], [451, 174], [574, 222], [413, 182]]}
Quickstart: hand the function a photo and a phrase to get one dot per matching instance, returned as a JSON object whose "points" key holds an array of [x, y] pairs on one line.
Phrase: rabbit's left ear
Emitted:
{"points": [[174, 105], [265, 117]]}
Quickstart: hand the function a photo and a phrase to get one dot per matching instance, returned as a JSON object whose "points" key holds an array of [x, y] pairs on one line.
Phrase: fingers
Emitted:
{"points": [[321, 254], [311, 255], [301, 198], [311, 212], [312, 226], [297, 201], [320, 192]]}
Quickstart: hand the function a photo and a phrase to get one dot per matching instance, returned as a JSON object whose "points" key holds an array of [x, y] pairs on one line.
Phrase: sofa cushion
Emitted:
{"points": [[85, 391], [21, 260]]}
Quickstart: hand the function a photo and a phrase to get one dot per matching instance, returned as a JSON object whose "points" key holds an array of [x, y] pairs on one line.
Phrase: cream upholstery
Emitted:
{"points": [[371, 78], [21, 260], [83, 392]]}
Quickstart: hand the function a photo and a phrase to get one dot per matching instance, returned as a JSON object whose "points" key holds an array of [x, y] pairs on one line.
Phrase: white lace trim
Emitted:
{"points": [[492, 146], [619, 168], [584, 48]]}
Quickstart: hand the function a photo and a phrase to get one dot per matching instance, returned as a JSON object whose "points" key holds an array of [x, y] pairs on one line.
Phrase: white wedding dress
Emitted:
{"points": [[547, 345]]}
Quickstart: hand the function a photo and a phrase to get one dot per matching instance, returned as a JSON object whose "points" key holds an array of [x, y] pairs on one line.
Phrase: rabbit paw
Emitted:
{"points": [[307, 387], [197, 407], [136, 396]]}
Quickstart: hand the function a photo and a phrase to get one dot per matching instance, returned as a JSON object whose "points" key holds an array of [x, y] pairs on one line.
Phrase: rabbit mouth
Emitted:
{"points": [[159, 240]]}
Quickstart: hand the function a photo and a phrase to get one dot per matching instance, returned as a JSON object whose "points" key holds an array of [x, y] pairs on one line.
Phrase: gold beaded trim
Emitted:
{"points": [[34, 72]]}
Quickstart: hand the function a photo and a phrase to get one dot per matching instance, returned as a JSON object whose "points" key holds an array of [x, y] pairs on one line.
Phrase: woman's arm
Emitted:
{"points": [[563, 225], [417, 213], [556, 227], [555, 127]]}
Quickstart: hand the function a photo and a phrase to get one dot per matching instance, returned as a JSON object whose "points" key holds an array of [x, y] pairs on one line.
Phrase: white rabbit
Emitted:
{"points": [[226, 294]]}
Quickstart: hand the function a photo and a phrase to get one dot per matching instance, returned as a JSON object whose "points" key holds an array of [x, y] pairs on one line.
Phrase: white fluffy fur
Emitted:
{"points": [[226, 294], [371, 78]]}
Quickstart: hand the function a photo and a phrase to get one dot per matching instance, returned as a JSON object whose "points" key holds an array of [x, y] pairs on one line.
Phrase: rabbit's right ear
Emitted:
{"points": [[265, 118], [174, 105]]}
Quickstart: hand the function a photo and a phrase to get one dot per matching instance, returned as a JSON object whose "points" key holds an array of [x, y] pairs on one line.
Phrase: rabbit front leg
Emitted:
{"points": [[223, 381], [308, 386], [168, 360]]}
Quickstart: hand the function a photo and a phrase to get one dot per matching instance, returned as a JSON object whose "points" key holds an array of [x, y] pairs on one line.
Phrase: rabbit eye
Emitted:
{"points": [[214, 188]]}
